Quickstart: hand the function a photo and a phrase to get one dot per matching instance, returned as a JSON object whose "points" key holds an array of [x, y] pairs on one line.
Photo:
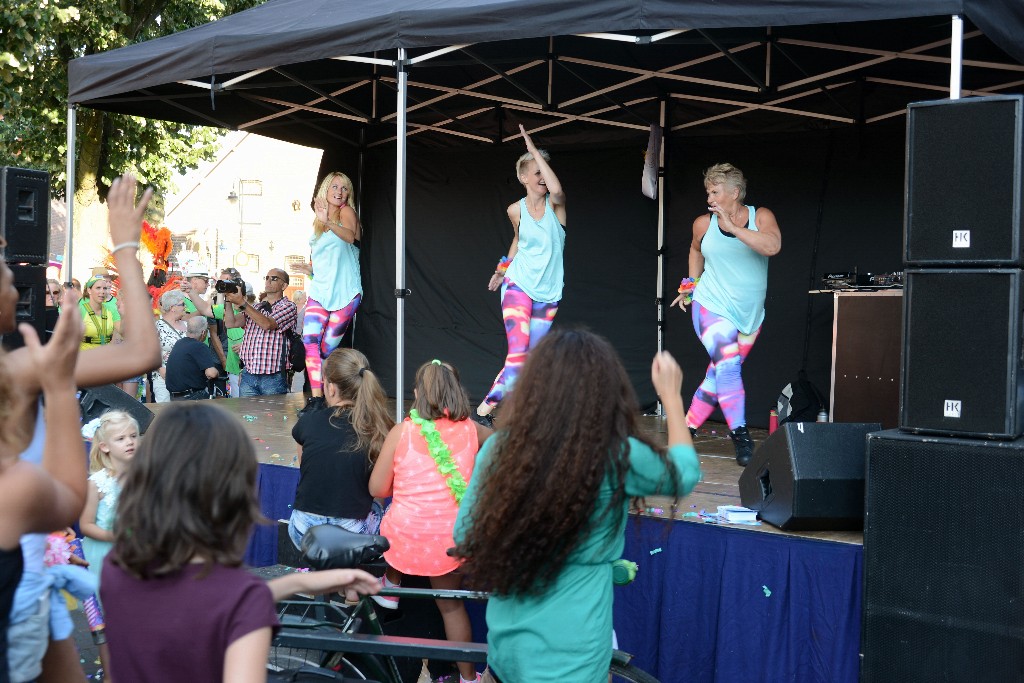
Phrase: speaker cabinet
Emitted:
{"points": [[808, 476], [961, 372], [30, 281], [964, 182], [95, 401], [943, 560], [25, 214]]}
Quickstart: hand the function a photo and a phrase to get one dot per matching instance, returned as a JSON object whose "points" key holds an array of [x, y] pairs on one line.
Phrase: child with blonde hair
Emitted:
{"points": [[113, 446]]}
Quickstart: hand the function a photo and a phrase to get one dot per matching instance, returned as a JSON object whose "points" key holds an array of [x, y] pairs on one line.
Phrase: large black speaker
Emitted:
{"points": [[943, 560], [964, 180], [809, 475], [961, 372], [97, 400], [25, 214], [30, 281]]}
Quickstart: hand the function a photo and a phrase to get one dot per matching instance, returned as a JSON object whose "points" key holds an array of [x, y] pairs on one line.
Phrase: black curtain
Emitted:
{"points": [[457, 229]]}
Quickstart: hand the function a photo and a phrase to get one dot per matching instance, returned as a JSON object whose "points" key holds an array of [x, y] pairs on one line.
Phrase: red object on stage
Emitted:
{"points": [[773, 421]]}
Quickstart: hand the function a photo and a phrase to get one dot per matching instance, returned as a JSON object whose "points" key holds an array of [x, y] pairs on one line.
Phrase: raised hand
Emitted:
{"points": [[320, 208], [124, 215], [666, 375], [54, 363], [530, 147]]}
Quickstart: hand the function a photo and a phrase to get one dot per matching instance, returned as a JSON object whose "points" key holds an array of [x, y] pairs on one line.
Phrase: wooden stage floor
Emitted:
{"points": [[269, 421]]}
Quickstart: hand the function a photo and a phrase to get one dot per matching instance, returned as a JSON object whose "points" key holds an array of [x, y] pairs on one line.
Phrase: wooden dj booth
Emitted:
{"points": [[864, 379]]}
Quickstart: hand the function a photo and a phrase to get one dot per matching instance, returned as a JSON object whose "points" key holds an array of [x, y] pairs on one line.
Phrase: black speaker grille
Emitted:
{"points": [[25, 214], [958, 151], [962, 345], [944, 559]]}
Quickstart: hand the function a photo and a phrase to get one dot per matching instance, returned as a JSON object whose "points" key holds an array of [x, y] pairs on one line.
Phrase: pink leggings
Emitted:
{"points": [[526, 323], [322, 331], [723, 384]]}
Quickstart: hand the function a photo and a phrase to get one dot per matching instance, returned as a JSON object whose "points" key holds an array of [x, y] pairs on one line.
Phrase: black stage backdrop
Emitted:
{"points": [[847, 185]]}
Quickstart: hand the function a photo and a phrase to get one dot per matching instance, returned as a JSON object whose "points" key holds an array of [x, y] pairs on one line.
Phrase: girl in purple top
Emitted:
{"points": [[173, 582]]}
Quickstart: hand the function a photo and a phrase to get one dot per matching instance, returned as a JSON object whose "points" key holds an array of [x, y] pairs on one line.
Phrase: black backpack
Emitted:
{"points": [[800, 401]]}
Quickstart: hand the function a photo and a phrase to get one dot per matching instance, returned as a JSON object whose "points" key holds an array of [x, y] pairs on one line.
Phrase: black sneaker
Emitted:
{"points": [[744, 445], [485, 420], [314, 403]]}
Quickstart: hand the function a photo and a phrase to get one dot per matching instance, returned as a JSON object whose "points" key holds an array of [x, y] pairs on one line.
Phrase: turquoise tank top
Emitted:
{"points": [[537, 266], [336, 276], [735, 277]]}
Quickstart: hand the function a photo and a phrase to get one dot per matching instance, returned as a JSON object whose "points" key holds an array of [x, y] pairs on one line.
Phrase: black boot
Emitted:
{"points": [[744, 445], [693, 432]]}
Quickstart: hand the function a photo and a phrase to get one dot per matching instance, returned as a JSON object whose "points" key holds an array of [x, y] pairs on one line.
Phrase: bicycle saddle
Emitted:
{"points": [[330, 547]]}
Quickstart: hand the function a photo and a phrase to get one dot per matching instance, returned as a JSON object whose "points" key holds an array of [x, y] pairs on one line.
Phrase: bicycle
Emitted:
{"points": [[333, 641]]}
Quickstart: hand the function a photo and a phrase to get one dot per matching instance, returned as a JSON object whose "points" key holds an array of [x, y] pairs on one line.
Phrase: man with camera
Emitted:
{"points": [[263, 346]]}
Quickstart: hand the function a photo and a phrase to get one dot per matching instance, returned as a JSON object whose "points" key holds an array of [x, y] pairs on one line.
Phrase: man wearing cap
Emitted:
{"points": [[199, 282], [263, 346]]}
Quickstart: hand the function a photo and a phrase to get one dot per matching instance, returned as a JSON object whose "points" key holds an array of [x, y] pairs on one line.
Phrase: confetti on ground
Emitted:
{"points": [[249, 418], [767, 591], [691, 514], [655, 551]]}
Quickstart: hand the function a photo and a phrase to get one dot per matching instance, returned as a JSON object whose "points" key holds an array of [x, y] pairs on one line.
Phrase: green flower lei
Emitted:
{"points": [[441, 454]]}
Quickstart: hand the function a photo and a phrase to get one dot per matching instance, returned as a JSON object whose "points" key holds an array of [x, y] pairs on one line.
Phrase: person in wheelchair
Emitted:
{"points": [[192, 365]]}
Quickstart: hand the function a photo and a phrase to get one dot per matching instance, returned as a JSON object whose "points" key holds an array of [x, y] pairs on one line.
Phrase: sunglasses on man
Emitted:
{"points": [[273, 278]]}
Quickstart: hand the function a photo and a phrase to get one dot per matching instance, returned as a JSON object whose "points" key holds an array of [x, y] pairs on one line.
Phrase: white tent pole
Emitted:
{"points": [[660, 291], [956, 59], [69, 194], [400, 291]]}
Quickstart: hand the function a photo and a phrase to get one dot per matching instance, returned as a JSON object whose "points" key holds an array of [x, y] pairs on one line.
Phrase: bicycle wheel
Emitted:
{"points": [[628, 672]]}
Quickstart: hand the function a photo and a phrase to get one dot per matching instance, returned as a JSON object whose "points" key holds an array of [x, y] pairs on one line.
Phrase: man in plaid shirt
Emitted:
{"points": [[263, 350]]}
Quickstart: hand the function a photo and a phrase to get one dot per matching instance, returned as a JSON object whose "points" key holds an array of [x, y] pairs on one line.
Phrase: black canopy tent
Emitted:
{"points": [[445, 75]]}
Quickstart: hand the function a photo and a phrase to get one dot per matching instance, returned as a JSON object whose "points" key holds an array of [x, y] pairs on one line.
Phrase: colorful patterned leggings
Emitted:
{"points": [[526, 323], [322, 331], [723, 385]]}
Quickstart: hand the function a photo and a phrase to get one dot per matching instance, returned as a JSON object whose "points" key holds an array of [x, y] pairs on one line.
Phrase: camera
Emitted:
{"points": [[229, 286]]}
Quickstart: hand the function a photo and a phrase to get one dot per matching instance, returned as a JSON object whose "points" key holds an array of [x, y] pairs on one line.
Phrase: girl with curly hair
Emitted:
{"points": [[545, 513]]}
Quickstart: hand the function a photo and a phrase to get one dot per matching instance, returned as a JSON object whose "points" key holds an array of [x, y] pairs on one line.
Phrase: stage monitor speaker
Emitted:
{"points": [[943, 560], [961, 371], [95, 401], [809, 475], [958, 152], [25, 214], [30, 281]]}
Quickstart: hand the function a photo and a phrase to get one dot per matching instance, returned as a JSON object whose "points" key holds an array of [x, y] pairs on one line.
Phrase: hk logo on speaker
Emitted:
{"points": [[951, 409], [961, 239]]}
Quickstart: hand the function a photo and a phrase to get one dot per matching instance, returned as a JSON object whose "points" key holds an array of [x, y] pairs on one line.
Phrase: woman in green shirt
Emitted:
{"points": [[545, 513]]}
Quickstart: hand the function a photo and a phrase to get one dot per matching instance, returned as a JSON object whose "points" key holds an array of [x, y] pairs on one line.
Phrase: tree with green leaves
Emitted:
{"points": [[38, 39]]}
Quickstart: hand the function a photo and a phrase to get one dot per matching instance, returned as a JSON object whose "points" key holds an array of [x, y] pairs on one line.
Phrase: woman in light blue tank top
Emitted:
{"points": [[531, 276], [335, 288], [729, 260]]}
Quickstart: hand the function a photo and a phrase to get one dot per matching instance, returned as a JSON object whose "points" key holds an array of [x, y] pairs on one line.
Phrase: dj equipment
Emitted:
{"points": [[959, 151], [25, 214], [809, 475]]}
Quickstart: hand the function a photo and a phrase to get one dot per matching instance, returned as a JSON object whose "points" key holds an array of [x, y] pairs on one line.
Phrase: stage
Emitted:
{"points": [[711, 603]]}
